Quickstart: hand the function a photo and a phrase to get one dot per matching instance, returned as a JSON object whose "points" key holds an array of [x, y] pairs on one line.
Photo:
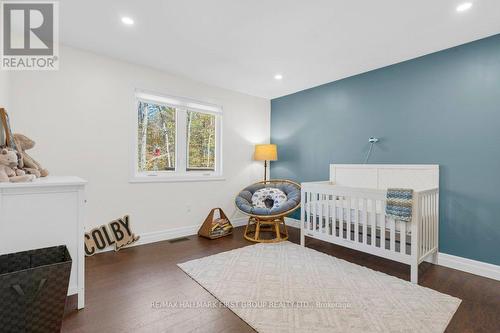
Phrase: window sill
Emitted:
{"points": [[174, 179]]}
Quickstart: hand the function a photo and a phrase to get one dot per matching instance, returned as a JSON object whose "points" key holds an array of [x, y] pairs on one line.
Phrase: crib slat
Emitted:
{"points": [[422, 226], [356, 220], [315, 228], [338, 216], [308, 218], [334, 216], [402, 237], [392, 240], [323, 216], [422, 220], [431, 231], [341, 217], [374, 222], [320, 215], [348, 228], [436, 219], [303, 210], [352, 214], [364, 219], [329, 210], [434, 205], [327, 215], [306, 215], [429, 221], [313, 210], [311, 224], [382, 226], [426, 221], [308, 211]]}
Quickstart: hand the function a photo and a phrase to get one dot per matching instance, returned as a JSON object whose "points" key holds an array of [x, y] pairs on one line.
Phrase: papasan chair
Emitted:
{"points": [[267, 203]]}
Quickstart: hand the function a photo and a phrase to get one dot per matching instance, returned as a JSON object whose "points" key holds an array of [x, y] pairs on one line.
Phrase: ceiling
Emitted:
{"points": [[241, 45]]}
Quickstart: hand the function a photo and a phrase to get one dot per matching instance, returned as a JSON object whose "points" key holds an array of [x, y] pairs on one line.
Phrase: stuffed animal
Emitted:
{"points": [[8, 165], [27, 163]]}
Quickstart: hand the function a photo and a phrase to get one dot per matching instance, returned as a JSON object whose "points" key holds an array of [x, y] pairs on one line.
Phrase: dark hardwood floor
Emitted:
{"points": [[122, 287]]}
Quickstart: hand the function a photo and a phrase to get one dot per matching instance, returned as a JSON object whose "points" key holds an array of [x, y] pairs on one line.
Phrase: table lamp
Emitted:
{"points": [[266, 152]]}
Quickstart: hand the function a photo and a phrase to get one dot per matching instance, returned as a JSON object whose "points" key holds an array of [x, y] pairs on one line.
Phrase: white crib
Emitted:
{"points": [[349, 210]]}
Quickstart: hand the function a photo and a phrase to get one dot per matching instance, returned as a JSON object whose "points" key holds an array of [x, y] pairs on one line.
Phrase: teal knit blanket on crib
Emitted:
{"points": [[399, 204]]}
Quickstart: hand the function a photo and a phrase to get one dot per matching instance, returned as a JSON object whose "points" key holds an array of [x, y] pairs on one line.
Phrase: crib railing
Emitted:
{"points": [[355, 218], [428, 227]]}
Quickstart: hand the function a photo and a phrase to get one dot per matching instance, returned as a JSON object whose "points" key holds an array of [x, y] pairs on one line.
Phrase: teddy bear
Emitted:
{"points": [[8, 168], [27, 163]]}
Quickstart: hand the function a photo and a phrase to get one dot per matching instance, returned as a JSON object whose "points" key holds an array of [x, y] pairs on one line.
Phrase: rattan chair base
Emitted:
{"points": [[256, 227]]}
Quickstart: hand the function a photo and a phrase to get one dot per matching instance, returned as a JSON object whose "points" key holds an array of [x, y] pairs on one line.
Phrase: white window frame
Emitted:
{"points": [[180, 174]]}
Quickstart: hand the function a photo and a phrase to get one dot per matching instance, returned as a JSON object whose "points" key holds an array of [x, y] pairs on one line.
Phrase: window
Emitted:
{"points": [[156, 133], [200, 141], [176, 139]]}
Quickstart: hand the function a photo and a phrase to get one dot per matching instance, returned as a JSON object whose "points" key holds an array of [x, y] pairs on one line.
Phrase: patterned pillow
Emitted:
{"points": [[268, 197]]}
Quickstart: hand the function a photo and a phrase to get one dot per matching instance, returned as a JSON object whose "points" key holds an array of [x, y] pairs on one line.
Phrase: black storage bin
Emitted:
{"points": [[33, 289]]}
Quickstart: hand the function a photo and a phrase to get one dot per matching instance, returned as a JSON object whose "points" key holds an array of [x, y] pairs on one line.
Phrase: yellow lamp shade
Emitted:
{"points": [[266, 152]]}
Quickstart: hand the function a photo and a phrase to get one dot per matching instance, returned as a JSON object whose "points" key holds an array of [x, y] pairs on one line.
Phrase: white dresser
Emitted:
{"points": [[46, 212]]}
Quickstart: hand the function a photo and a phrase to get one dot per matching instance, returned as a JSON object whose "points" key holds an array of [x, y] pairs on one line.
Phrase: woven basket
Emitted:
{"points": [[33, 289], [206, 229]]}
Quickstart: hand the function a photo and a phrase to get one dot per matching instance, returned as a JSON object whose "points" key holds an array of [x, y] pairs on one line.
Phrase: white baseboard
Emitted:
{"points": [[168, 234], [158, 236], [241, 221], [292, 222], [447, 260], [173, 233], [470, 266]]}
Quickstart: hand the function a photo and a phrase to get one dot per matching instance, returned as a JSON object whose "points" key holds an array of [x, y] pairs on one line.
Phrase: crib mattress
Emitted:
{"points": [[356, 214]]}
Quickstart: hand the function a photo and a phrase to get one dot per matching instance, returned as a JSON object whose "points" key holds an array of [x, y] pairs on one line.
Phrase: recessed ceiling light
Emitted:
{"points": [[127, 20], [278, 77], [464, 6]]}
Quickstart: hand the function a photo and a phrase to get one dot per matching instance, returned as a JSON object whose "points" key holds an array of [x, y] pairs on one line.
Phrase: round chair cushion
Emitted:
{"points": [[268, 197], [244, 199]]}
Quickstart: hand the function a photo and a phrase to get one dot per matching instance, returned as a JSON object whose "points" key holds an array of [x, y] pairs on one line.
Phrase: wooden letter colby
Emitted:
{"points": [[117, 232]]}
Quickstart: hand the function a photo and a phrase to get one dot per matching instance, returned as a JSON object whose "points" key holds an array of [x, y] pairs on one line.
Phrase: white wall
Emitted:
{"points": [[80, 117], [4, 89]]}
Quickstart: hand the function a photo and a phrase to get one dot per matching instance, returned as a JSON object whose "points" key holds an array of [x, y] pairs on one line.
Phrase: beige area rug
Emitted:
{"points": [[288, 288]]}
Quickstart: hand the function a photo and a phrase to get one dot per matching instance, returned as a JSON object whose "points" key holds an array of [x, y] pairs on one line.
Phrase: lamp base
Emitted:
{"points": [[265, 170]]}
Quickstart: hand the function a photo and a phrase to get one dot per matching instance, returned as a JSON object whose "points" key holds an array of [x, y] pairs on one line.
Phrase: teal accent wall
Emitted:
{"points": [[443, 108]]}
